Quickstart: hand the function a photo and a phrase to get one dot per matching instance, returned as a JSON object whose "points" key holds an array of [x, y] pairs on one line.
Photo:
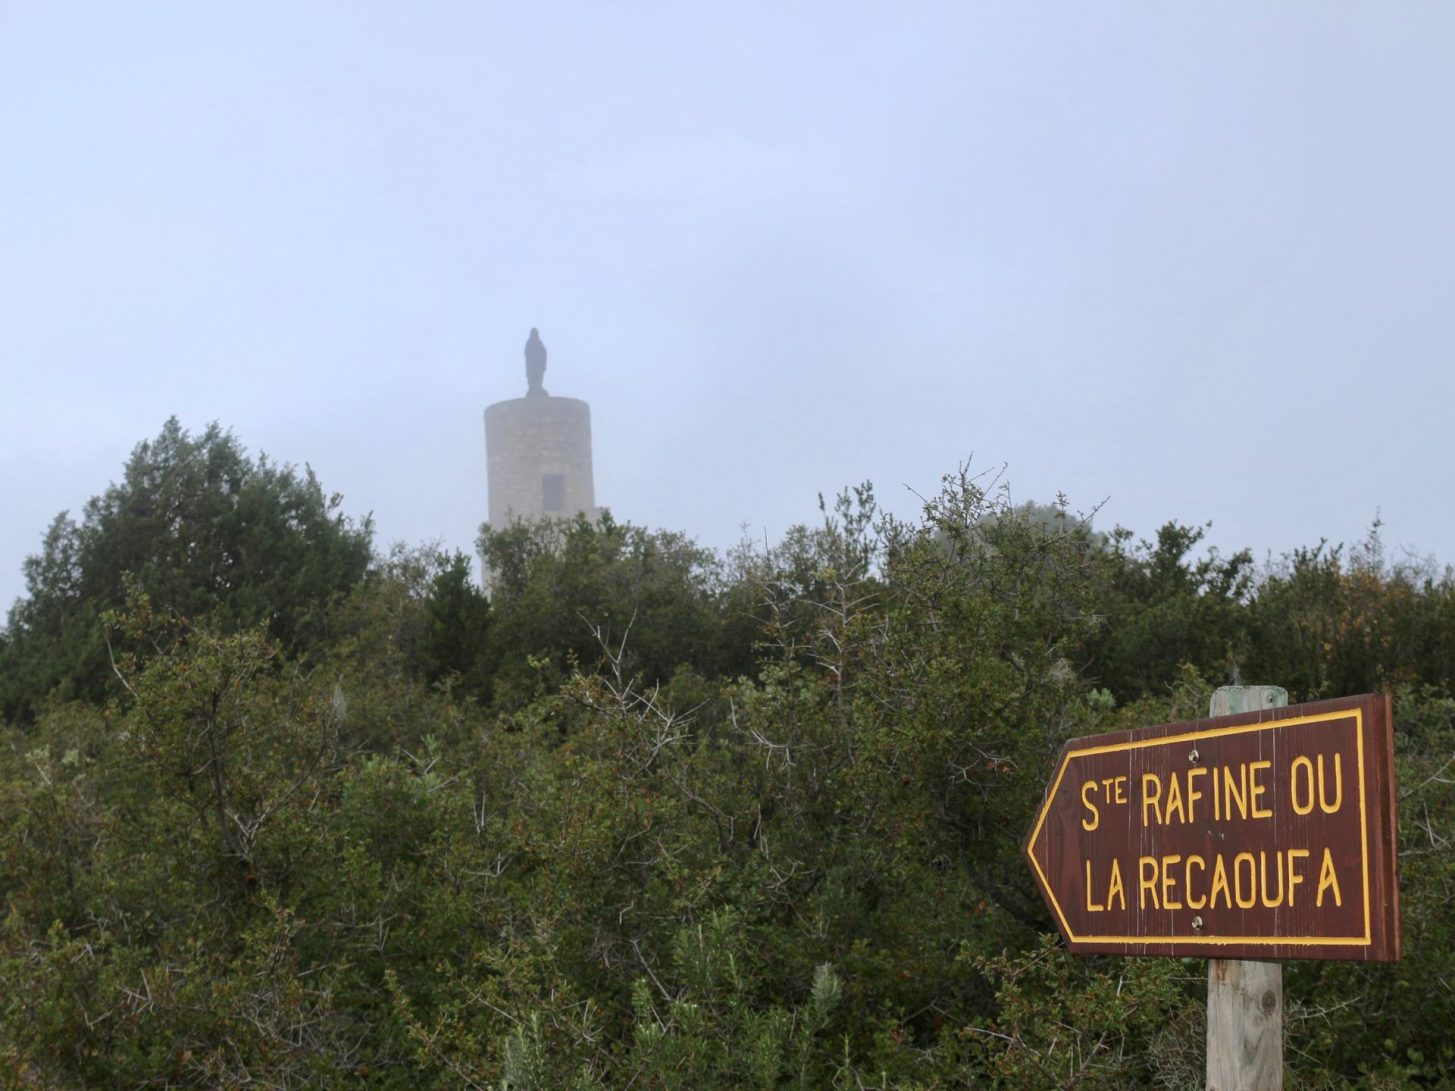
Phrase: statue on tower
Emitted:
{"points": [[535, 364]]}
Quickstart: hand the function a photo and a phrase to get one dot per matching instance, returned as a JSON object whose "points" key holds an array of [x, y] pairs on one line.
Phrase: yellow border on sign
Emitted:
{"points": [[1214, 941]]}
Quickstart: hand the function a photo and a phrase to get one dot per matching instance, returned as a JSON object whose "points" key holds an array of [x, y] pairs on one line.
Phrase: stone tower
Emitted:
{"points": [[538, 450]]}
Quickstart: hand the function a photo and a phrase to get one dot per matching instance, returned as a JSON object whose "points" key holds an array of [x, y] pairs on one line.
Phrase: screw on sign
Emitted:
{"points": [[1264, 835]]}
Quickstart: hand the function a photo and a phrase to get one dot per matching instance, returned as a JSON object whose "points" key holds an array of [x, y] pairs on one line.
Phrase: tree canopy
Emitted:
{"points": [[203, 531]]}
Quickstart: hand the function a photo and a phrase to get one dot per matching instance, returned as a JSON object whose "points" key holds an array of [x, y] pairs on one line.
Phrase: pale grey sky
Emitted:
{"points": [[1196, 260]]}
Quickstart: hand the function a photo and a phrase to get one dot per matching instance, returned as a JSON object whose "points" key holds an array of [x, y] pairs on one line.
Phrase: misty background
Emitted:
{"points": [[1195, 262]]}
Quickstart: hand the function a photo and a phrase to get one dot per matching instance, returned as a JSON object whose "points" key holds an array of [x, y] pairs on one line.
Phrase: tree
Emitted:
{"points": [[454, 646], [205, 532], [1337, 620], [1162, 609], [564, 592]]}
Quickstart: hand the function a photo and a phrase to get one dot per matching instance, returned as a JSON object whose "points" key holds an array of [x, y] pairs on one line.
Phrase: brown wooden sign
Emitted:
{"points": [[1266, 835]]}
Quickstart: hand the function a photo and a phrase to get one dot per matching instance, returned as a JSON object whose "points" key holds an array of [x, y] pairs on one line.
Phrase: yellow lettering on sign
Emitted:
{"points": [[1301, 785], [1238, 794], [1294, 878], [1091, 906], [1220, 882], [1187, 881], [1269, 878], [1263, 878], [1114, 888], [1090, 786], [1169, 880], [1301, 764], [1193, 795], [1324, 804], [1174, 800], [1147, 881], [1328, 880], [1151, 799], [1114, 789], [1256, 789], [1252, 886]]}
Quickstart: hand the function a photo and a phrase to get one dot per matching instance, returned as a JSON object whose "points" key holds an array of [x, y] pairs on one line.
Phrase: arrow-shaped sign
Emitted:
{"points": [[1265, 835]]}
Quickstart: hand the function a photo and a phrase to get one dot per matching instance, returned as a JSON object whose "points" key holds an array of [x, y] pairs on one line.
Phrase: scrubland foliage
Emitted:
{"points": [[280, 812]]}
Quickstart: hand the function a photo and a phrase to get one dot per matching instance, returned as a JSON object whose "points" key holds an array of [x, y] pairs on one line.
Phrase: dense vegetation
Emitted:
{"points": [[283, 812]]}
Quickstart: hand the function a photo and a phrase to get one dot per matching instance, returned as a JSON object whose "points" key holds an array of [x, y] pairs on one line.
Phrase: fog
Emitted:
{"points": [[1179, 262]]}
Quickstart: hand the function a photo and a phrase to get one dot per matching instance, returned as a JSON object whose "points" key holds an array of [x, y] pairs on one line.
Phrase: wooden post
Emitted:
{"points": [[1245, 997]]}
